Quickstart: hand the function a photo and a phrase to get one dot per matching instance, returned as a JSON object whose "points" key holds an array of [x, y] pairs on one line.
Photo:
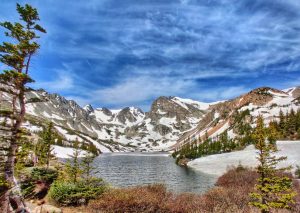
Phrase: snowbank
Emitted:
{"points": [[64, 152], [218, 164]]}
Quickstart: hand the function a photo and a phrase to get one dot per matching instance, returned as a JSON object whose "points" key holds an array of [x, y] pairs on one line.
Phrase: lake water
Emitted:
{"points": [[132, 169]]}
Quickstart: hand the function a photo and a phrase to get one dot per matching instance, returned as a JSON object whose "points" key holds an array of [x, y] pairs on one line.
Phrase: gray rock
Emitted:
{"points": [[46, 208]]}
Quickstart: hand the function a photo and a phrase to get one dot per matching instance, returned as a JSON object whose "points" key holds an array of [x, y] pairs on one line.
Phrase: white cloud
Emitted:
{"points": [[135, 90], [218, 93], [63, 81]]}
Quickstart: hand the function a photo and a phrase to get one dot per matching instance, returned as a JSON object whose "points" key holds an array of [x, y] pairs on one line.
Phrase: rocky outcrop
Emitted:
{"points": [[162, 129], [129, 114], [296, 92]]}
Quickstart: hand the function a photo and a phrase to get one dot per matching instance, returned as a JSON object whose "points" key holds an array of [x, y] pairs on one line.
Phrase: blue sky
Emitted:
{"points": [[118, 53]]}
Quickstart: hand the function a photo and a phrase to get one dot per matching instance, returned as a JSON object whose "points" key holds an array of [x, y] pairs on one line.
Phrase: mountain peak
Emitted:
{"points": [[294, 91], [88, 108]]}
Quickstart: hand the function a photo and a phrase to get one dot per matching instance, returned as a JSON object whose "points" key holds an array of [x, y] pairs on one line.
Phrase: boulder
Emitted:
{"points": [[46, 208]]}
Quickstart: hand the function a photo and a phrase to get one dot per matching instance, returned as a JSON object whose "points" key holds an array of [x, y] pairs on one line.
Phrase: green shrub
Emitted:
{"points": [[68, 193], [3, 184], [41, 176], [44, 174], [297, 172]]}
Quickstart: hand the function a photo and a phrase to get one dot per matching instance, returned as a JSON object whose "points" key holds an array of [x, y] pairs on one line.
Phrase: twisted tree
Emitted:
{"points": [[16, 56]]}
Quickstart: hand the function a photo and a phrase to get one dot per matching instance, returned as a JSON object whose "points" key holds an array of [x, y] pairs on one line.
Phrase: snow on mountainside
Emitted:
{"points": [[265, 101], [127, 129], [171, 121]]}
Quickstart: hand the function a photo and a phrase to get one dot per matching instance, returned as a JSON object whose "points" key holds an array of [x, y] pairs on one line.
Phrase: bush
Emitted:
{"points": [[238, 177], [44, 174], [69, 193], [36, 182], [138, 199], [230, 195], [297, 172]]}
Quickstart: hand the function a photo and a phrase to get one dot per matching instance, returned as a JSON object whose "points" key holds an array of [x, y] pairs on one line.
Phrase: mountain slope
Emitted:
{"points": [[126, 129], [265, 101]]}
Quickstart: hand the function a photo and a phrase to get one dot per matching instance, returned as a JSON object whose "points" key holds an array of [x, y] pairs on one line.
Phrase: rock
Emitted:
{"points": [[129, 114], [46, 208], [162, 129], [296, 92], [183, 162]]}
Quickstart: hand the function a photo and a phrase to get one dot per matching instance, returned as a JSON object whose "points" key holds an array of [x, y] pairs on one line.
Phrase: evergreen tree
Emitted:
{"points": [[281, 123], [87, 167], [43, 149], [72, 167], [224, 141], [297, 172], [23, 154], [291, 123], [17, 56], [272, 191]]}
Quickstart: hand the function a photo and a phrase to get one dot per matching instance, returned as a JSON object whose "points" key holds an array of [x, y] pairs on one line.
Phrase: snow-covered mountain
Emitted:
{"points": [[171, 121], [265, 101], [127, 129]]}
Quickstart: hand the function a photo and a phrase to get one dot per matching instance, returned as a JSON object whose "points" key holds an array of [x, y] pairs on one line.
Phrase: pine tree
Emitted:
{"points": [[272, 191], [291, 120], [17, 56], [282, 123], [72, 167], [43, 150], [87, 167], [224, 141]]}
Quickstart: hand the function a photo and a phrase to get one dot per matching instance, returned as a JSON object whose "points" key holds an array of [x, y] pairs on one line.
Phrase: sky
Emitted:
{"points": [[118, 53]]}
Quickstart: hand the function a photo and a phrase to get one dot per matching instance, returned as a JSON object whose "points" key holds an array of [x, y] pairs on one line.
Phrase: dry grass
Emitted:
{"points": [[229, 195]]}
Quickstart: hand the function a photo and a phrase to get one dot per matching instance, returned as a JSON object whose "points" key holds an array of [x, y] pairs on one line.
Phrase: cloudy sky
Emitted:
{"points": [[118, 53]]}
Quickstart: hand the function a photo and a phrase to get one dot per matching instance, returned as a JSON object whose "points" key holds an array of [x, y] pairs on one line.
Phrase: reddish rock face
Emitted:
{"points": [[296, 92]]}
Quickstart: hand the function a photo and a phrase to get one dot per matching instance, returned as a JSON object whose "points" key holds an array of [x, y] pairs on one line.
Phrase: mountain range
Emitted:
{"points": [[171, 121]]}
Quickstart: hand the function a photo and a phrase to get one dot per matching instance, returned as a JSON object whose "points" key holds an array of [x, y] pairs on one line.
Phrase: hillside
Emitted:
{"points": [[233, 115]]}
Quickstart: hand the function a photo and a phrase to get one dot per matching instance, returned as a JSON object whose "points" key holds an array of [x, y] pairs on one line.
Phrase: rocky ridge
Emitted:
{"points": [[127, 129], [171, 121]]}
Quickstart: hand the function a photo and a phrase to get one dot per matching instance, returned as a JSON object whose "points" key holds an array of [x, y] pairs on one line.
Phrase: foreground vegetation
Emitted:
{"points": [[73, 184], [231, 194]]}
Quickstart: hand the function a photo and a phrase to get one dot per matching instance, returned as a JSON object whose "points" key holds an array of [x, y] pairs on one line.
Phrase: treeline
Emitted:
{"points": [[287, 127], [207, 147]]}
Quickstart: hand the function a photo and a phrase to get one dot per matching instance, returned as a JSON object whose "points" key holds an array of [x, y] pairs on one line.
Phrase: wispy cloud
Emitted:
{"points": [[61, 82], [117, 53]]}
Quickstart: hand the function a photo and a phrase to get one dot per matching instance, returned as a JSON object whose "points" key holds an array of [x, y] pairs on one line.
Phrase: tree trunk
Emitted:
{"points": [[12, 196], [4, 189]]}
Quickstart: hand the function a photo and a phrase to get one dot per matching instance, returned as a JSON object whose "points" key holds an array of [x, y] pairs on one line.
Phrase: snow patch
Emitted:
{"points": [[65, 152], [219, 163]]}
